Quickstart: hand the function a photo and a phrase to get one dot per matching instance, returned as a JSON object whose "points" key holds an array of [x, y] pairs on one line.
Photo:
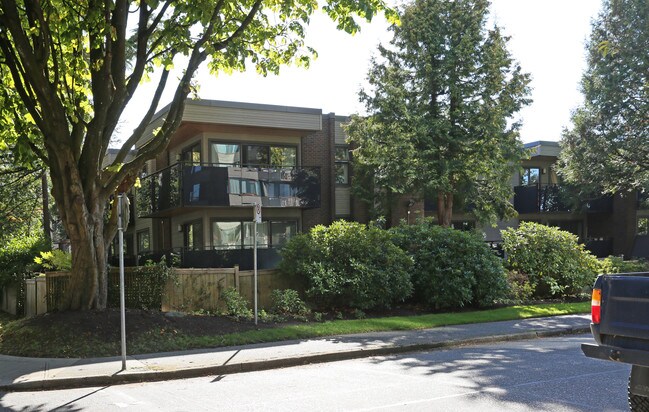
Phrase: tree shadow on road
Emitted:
{"points": [[538, 374]]}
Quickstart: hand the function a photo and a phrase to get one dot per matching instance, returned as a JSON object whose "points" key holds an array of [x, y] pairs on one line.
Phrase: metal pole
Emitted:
{"points": [[255, 263], [122, 303]]}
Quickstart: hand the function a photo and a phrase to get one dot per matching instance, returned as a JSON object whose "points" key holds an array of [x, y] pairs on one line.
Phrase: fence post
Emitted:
{"points": [[236, 279], [41, 295]]}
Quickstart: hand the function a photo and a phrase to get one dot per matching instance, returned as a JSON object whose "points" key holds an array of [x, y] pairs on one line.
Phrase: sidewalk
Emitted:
{"points": [[24, 374]]}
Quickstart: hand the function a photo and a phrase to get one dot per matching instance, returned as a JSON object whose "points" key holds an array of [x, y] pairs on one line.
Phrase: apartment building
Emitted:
{"points": [[607, 225], [196, 199]]}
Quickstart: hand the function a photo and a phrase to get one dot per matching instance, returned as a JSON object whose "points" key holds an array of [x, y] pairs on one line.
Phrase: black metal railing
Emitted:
{"points": [[267, 258], [600, 247], [190, 184], [542, 198]]}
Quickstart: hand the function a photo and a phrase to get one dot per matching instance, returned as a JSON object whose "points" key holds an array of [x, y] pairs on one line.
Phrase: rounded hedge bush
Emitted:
{"points": [[452, 268], [555, 263], [348, 265]]}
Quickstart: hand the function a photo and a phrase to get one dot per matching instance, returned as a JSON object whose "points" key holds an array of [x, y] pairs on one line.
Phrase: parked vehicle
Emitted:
{"points": [[620, 326]]}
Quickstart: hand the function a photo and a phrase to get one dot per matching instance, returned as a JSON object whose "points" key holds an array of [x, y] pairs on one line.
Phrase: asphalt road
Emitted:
{"points": [[534, 375]]}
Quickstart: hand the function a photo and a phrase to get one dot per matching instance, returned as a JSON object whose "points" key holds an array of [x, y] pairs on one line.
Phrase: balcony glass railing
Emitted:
{"points": [[188, 185]]}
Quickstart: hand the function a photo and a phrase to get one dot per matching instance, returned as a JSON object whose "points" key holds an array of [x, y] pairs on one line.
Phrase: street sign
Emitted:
{"points": [[257, 211]]}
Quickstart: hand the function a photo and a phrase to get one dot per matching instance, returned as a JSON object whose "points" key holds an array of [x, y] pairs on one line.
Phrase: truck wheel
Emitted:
{"points": [[637, 403]]}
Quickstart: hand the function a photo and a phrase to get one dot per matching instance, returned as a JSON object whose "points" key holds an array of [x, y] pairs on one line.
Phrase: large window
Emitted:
{"points": [[283, 156], [238, 234], [281, 232], [530, 176], [225, 154], [342, 165], [253, 155]]}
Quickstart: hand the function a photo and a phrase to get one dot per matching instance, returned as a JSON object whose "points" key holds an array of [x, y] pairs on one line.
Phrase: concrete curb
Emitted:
{"points": [[152, 376]]}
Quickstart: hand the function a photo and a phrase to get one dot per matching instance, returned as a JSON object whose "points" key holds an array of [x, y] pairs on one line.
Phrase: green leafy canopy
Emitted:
{"points": [[68, 69]]}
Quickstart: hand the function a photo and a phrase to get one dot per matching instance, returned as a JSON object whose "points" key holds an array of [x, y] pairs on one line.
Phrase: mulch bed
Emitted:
{"points": [[105, 325]]}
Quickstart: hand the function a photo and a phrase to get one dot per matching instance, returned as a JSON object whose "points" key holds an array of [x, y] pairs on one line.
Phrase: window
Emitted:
{"points": [[226, 235], [256, 155], [252, 155], [281, 232], [342, 165], [192, 154], [238, 234], [193, 235], [530, 176], [642, 226], [143, 241], [283, 156], [225, 154], [249, 233]]}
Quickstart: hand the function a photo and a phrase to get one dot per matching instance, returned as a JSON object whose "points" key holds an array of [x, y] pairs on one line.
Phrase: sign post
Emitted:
{"points": [[256, 219], [122, 305]]}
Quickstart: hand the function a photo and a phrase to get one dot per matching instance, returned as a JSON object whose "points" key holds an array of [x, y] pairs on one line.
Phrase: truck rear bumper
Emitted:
{"points": [[631, 356]]}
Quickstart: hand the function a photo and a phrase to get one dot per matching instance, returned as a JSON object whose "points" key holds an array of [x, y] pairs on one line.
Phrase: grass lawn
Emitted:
{"points": [[90, 334]]}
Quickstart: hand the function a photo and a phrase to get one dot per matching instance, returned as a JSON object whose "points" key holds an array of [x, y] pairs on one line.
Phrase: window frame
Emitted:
{"points": [[139, 233], [243, 161], [526, 174], [243, 245], [344, 163]]}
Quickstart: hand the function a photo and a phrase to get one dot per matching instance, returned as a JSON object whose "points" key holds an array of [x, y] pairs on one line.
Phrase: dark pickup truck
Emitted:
{"points": [[620, 326]]}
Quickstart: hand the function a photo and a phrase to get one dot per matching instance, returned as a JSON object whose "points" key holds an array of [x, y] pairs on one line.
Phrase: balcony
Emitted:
{"points": [[557, 198], [267, 258], [542, 198], [185, 185]]}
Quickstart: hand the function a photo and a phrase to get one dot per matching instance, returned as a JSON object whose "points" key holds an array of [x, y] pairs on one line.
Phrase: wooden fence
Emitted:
{"points": [[197, 289], [190, 290]]}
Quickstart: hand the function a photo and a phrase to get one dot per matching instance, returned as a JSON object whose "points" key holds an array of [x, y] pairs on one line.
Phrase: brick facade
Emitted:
{"points": [[318, 150]]}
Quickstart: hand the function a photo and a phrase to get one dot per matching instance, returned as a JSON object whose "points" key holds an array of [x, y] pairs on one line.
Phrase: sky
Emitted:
{"points": [[547, 39]]}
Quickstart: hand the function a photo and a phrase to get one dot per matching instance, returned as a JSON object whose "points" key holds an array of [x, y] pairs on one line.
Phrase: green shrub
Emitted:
{"points": [[615, 264], [17, 264], [556, 265], [236, 305], [17, 258], [520, 289], [348, 265], [287, 304], [452, 268]]}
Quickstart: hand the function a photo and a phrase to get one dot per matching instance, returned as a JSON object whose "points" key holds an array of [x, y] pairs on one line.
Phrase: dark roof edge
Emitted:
{"points": [[241, 105], [541, 143]]}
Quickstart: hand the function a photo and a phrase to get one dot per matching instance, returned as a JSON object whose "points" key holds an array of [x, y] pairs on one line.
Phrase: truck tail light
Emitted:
{"points": [[595, 306]]}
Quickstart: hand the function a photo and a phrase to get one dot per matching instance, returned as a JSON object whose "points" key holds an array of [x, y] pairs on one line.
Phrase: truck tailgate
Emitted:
{"points": [[625, 310]]}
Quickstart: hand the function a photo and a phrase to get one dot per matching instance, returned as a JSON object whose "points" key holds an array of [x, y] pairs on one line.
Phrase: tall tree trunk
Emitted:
{"points": [[82, 213], [444, 208], [47, 219]]}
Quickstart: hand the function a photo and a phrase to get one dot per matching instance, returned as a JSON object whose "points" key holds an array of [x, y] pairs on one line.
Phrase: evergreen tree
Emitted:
{"points": [[441, 106], [608, 146]]}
